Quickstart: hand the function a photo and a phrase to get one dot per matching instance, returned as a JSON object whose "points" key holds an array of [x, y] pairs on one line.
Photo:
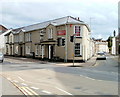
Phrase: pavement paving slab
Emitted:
{"points": [[8, 88]]}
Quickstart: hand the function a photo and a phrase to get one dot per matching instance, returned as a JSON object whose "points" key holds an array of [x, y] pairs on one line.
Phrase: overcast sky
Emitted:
{"points": [[103, 13]]}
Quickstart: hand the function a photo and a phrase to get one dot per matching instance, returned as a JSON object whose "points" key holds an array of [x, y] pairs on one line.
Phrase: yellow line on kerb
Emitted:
{"points": [[28, 92]]}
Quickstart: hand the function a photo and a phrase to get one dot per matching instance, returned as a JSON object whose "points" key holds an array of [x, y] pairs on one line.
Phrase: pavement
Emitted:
{"points": [[7, 88], [88, 63]]}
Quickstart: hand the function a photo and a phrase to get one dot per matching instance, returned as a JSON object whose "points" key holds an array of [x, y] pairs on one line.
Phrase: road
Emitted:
{"points": [[40, 78]]}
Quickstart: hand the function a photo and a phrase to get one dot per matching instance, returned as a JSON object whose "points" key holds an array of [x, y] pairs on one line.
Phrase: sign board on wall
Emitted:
{"points": [[61, 32]]}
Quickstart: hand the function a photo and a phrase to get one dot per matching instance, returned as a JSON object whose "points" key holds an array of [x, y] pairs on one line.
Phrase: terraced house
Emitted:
{"points": [[52, 39]]}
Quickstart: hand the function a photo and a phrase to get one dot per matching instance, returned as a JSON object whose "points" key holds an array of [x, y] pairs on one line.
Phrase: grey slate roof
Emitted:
{"points": [[55, 22]]}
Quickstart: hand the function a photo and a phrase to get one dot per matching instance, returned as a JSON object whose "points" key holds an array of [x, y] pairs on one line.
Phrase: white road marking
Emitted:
{"points": [[9, 78], [15, 81], [34, 88], [46, 92], [24, 84], [21, 78], [90, 78], [63, 91]]}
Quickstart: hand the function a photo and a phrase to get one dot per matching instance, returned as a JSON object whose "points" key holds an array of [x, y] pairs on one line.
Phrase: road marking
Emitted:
{"points": [[34, 93], [26, 92], [90, 78], [9, 78], [24, 84], [21, 78], [16, 81], [34, 88], [63, 91], [46, 92], [23, 91]]}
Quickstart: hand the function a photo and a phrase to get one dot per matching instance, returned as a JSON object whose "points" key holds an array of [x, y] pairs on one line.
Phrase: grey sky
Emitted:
{"points": [[103, 13]]}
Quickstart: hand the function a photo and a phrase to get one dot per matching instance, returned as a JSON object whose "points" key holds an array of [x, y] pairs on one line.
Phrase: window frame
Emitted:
{"points": [[80, 30], [37, 50], [77, 49], [50, 33]]}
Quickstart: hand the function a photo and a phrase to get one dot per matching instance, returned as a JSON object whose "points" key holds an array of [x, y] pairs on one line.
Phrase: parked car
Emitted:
{"points": [[101, 55], [1, 57]]}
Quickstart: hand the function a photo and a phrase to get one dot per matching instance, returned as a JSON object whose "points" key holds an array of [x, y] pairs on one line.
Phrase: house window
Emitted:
{"points": [[6, 49], [28, 37], [16, 49], [77, 31], [77, 49], [50, 33], [20, 38], [37, 49], [41, 36], [27, 49], [42, 50], [61, 41], [11, 38], [16, 38], [7, 39]]}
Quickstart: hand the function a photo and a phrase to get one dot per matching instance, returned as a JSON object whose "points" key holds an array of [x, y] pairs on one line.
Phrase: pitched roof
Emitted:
{"points": [[55, 22], [7, 32]]}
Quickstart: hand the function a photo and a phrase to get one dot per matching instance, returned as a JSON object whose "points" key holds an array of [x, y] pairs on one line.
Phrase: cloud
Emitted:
{"points": [[17, 13]]}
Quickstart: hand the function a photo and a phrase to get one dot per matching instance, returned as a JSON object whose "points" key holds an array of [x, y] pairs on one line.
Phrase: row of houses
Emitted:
{"points": [[62, 38]]}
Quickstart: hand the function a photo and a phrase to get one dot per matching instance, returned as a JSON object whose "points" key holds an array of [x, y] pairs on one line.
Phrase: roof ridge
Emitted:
{"points": [[47, 21]]}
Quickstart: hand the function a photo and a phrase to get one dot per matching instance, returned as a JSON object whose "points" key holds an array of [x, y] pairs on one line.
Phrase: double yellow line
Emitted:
{"points": [[27, 91]]}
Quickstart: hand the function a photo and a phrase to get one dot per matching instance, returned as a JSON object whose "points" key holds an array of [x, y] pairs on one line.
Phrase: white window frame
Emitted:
{"points": [[61, 40], [16, 49], [16, 38], [42, 50], [20, 38], [50, 33], [28, 37], [37, 50], [27, 49], [80, 48], [80, 30]]}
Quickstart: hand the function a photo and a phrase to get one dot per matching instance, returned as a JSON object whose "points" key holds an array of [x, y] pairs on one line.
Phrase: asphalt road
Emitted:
{"points": [[48, 78]]}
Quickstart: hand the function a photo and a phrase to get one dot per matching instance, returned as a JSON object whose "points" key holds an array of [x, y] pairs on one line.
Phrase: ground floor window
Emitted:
{"points": [[27, 49], [16, 49], [77, 49], [6, 49], [37, 49], [41, 50], [61, 41]]}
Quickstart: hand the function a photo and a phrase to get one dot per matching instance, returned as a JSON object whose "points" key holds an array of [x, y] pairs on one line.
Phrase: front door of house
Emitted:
{"points": [[50, 51], [10, 50], [21, 51]]}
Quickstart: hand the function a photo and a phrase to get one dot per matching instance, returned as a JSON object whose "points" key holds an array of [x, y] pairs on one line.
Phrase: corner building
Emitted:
{"points": [[52, 39]]}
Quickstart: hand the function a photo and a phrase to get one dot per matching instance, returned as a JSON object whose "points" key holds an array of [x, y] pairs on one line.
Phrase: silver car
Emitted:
{"points": [[1, 57], [101, 55]]}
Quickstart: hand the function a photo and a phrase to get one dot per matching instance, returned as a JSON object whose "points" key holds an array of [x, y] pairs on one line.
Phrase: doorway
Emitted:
{"points": [[50, 51], [21, 50]]}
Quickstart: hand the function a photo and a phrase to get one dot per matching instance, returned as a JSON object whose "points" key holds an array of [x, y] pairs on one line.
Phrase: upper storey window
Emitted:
{"points": [[50, 33], [77, 31]]}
